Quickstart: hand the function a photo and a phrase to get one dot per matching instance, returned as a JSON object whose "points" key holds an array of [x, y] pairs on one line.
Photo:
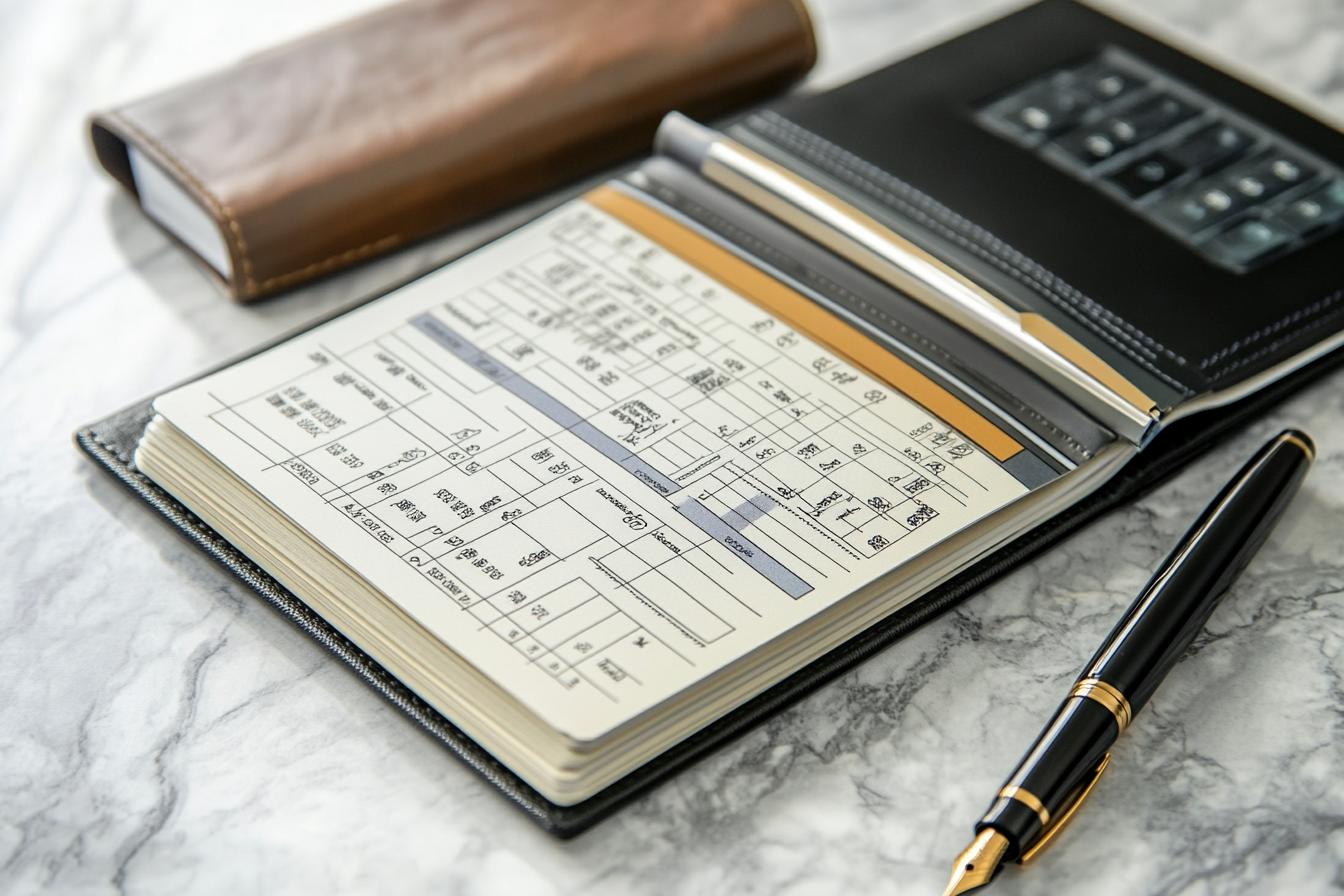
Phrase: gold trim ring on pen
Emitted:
{"points": [[1028, 799], [1107, 696]]}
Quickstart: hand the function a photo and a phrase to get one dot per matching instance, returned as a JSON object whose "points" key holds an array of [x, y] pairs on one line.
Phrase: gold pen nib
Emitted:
{"points": [[975, 867]]}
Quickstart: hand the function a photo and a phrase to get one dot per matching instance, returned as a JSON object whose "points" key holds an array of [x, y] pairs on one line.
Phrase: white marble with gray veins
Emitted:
{"points": [[164, 731]]}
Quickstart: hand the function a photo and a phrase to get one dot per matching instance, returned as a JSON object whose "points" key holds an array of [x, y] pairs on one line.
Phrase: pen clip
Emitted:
{"points": [[1059, 821]]}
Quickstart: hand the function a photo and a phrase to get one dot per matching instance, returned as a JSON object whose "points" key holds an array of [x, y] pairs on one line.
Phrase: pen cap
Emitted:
{"points": [[684, 140], [1170, 611]]}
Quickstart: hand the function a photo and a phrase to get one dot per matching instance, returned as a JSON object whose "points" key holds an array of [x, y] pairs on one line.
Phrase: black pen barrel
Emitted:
{"points": [[1139, 652], [1176, 603]]}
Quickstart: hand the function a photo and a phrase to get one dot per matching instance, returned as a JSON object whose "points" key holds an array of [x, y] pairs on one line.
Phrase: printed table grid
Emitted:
{"points": [[740, 439]]}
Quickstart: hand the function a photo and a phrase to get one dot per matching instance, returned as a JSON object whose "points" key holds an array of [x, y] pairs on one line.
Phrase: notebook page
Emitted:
{"points": [[594, 470]]}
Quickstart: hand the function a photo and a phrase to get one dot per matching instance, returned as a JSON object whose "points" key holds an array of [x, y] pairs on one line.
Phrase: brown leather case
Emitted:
{"points": [[387, 128]]}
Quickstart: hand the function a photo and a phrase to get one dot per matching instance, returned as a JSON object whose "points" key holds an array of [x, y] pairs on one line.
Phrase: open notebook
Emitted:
{"points": [[595, 497]]}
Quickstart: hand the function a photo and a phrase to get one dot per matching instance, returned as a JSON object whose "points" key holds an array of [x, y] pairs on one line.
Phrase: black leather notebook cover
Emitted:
{"points": [[110, 443], [910, 88], [909, 144]]}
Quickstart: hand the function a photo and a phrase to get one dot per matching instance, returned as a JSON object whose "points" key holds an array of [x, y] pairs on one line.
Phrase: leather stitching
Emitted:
{"points": [[223, 211], [944, 215], [1301, 314], [1122, 335], [1279, 343], [777, 127], [347, 257], [114, 452]]}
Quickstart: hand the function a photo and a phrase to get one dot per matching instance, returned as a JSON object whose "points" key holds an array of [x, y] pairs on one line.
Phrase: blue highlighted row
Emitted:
{"points": [[716, 528], [544, 402]]}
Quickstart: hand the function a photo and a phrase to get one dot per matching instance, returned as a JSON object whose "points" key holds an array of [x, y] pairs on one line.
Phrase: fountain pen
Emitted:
{"points": [[1063, 765]]}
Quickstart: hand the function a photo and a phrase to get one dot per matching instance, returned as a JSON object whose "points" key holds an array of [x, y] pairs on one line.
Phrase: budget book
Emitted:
{"points": [[589, 486], [591, 499]]}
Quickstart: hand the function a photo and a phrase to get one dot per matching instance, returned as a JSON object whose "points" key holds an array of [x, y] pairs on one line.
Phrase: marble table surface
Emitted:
{"points": [[164, 731]]}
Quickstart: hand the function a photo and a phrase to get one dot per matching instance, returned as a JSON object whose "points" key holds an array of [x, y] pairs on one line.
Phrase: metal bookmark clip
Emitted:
{"points": [[1061, 820], [1027, 337]]}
